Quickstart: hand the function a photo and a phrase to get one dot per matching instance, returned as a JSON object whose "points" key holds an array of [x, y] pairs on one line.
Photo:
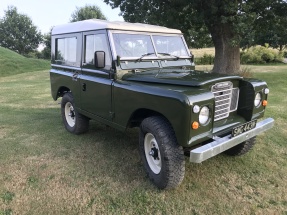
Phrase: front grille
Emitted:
{"points": [[226, 99]]}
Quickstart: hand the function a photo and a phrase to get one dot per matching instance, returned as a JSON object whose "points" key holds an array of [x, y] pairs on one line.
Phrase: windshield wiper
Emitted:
{"points": [[167, 54], [146, 54]]}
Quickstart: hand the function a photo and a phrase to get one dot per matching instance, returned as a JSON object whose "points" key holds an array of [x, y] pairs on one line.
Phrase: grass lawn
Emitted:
{"points": [[46, 170], [12, 63]]}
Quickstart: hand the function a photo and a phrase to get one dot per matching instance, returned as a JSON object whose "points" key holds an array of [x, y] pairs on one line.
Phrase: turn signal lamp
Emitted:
{"points": [[195, 125], [264, 103]]}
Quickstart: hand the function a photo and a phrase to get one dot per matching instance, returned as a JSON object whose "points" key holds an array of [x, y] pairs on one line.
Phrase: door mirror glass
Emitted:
{"points": [[100, 58]]}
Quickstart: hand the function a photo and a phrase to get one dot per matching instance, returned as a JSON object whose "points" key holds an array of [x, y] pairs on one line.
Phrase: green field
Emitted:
{"points": [[46, 170], [12, 63], [200, 52]]}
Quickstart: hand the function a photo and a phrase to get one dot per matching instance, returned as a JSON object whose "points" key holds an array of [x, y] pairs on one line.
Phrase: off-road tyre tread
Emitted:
{"points": [[241, 148], [173, 163], [82, 122]]}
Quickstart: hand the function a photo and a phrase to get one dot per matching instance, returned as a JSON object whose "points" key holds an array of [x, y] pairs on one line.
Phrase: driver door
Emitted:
{"points": [[95, 82]]}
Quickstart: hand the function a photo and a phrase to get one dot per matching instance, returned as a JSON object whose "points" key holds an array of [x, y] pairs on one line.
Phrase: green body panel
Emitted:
{"points": [[178, 77], [96, 91], [63, 81], [129, 97]]}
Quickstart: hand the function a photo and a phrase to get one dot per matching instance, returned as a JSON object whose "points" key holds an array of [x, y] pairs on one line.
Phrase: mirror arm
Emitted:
{"points": [[118, 60]]}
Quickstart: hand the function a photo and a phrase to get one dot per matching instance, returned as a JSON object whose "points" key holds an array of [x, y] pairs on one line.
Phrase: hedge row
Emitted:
{"points": [[260, 55], [253, 55], [206, 59]]}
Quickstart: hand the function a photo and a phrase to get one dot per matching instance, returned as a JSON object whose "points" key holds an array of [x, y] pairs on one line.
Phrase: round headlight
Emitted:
{"points": [[257, 100], [266, 91], [204, 115], [196, 109]]}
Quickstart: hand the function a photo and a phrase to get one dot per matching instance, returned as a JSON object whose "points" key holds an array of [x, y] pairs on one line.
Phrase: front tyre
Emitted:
{"points": [[162, 157], [73, 121]]}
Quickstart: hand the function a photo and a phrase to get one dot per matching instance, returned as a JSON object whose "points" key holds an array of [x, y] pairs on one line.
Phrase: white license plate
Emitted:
{"points": [[243, 128]]}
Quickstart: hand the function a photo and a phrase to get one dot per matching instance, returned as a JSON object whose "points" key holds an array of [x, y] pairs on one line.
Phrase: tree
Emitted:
{"points": [[87, 12], [269, 28], [226, 22], [18, 33], [46, 52]]}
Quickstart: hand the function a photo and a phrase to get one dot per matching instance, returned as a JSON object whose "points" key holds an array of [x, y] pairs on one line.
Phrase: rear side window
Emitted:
{"points": [[93, 43], [66, 50]]}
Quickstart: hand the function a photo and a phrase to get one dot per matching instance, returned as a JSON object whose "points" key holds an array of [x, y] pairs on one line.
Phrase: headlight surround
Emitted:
{"points": [[204, 115], [257, 100]]}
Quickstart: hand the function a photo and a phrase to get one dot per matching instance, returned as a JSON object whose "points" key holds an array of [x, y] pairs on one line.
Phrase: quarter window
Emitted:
{"points": [[93, 43], [66, 50]]}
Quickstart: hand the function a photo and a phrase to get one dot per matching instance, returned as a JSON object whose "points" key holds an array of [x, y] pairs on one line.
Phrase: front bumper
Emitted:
{"points": [[222, 144]]}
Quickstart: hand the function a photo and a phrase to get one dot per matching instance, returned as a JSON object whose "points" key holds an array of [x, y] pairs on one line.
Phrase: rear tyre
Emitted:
{"points": [[74, 122], [241, 148], [162, 157]]}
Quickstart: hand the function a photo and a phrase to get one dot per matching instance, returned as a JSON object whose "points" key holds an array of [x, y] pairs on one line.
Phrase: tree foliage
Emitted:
{"points": [[225, 22], [269, 26], [46, 52], [87, 12], [18, 33]]}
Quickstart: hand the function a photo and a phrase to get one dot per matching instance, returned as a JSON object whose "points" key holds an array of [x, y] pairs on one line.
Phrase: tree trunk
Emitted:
{"points": [[227, 56]]}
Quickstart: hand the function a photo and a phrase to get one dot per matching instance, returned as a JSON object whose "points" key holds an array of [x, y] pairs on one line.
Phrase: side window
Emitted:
{"points": [[66, 50], [93, 43]]}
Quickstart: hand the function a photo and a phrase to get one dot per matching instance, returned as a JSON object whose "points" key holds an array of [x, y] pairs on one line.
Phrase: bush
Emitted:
{"points": [[35, 54], [260, 55], [285, 54], [206, 59]]}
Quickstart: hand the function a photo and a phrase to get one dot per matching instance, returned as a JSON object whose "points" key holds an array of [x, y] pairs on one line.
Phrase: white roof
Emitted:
{"points": [[96, 24]]}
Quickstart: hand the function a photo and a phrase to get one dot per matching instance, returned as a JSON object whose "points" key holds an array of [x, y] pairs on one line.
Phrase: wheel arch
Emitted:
{"points": [[140, 114], [61, 91]]}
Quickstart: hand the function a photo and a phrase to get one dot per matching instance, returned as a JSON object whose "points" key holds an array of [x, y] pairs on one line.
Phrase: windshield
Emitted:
{"points": [[138, 45], [133, 45], [170, 44]]}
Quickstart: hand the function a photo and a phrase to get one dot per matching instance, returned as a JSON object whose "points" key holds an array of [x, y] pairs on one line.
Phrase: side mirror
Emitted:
{"points": [[100, 59]]}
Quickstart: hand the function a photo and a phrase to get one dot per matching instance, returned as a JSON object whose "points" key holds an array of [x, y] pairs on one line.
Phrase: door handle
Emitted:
{"points": [[84, 87]]}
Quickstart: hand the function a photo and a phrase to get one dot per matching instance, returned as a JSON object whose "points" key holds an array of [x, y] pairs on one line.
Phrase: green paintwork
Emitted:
{"points": [[178, 77], [121, 95]]}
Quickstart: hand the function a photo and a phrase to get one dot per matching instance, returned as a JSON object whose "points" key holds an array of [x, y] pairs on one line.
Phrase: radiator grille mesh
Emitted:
{"points": [[226, 99]]}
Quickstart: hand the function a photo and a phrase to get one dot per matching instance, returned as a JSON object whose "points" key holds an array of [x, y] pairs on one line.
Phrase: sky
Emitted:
{"points": [[48, 13]]}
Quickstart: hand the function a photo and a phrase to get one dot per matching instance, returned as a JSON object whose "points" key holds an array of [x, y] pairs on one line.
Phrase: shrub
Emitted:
{"points": [[206, 59], [260, 55]]}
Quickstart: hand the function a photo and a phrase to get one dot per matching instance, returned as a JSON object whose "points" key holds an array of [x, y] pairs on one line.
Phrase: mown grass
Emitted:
{"points": [[46, 170], [12, 63]]}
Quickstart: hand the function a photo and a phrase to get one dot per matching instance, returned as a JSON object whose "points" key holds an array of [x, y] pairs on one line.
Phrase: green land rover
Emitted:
{"points": [[137, 75]]}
